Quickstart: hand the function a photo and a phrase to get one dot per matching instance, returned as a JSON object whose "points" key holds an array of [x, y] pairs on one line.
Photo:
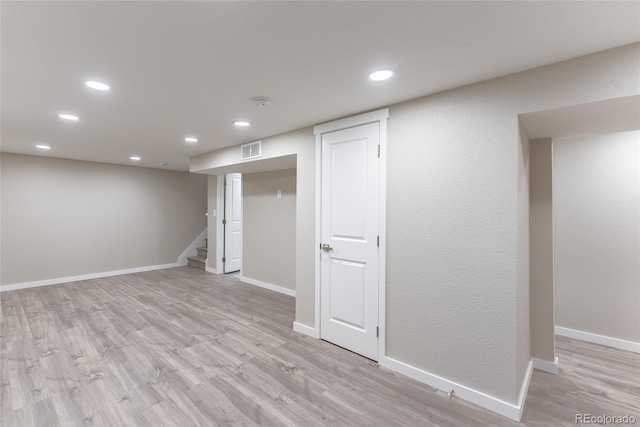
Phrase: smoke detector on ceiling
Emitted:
{"points": [[262, 101]]}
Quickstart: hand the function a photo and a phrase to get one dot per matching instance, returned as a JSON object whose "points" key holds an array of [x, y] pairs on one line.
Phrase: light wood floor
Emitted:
{"points": [[182, 347]]}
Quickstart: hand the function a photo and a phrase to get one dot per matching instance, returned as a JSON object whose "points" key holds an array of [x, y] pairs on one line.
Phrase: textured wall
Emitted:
{"points": [[522, 282], [452, 224], [269, 227], [541, 245], [596, 207], [63, 218]]}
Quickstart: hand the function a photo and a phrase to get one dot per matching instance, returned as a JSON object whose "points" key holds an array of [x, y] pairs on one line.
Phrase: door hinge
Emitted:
{"points": [[224, 222], [378, 241], [225, 182], [224, 259], [377, 331], [378, 151]]}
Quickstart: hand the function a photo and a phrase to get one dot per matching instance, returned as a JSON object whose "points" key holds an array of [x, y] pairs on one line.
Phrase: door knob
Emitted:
{"points": [[325, 247]]}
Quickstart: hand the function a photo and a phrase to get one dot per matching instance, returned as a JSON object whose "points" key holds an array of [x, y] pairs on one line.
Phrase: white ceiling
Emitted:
{"points": [[191, 68]]}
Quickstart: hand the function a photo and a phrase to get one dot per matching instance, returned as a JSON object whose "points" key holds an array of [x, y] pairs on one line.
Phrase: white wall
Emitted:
{"points": [[269, 227], [523, 273], [596, 208], [455, 211], [63, 218], [452, 242], [541, 251]]}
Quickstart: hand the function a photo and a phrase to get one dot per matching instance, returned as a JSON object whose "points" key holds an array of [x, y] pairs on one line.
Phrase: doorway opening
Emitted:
{"points": [[542, 129], [263, 194]]}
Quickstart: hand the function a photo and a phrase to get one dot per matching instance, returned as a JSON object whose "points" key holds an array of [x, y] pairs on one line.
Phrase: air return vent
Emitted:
{"points": [[251, 151]]}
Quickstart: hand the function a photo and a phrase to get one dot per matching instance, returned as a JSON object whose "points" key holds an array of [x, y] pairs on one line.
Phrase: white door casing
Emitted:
{"points": [[349, 261], [233, 223]]}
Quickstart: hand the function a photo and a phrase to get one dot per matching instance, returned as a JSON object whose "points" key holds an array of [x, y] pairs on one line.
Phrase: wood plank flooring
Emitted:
{"points": [[181, 347]]}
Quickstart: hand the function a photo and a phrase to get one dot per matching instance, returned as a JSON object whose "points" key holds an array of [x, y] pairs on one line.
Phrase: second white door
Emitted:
{"points": [[232, 260], [349, 238]]}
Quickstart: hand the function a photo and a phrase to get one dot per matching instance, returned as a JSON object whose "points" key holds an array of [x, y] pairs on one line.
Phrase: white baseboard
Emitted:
{"points": [[182, 260], [304, 329], [211, 270], [269, 286], [598, 339], [191, 249], [60, 280], [545, 365], [491, 403], [524, 390]]}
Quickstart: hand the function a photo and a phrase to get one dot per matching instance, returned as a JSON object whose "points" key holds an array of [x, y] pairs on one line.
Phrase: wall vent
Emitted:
{"points": [[251, 150]]}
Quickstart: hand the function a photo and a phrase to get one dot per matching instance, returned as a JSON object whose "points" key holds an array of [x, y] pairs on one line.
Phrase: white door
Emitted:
{"points": [[349, 239], [232, 258]]}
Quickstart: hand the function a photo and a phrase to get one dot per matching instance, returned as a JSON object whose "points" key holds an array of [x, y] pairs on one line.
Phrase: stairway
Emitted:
{"points": [[200, 260]]}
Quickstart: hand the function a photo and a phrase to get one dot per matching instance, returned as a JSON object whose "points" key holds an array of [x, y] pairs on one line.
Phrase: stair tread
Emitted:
{"points": [[197, 258], [204, 248]]}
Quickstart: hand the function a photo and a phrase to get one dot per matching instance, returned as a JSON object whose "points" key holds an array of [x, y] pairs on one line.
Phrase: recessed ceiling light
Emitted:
{"points": [[380, 75], [70, 117], [97, 85], [135, 158], [43, 147], [191, 139], [241, 123]]}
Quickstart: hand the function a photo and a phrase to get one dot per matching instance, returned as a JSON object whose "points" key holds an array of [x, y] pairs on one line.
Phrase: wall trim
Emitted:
{"points": [[598, 339], [349, 122], [270, 286], [61, 280], [486, 401], [545, 365], [219, 227], [524, 391], [211, 270], [304, 329], [191, 249]]}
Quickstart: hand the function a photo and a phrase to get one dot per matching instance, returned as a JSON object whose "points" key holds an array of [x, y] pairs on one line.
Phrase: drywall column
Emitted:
{"points": [[541, 250], [523, 303]]}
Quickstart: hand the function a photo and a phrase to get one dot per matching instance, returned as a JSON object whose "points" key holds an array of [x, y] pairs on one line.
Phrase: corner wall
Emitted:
{"points": [[453, 290], [452, 231], [541, 246], [269, 227], [523, 328], [64, 218], [596, 208]]}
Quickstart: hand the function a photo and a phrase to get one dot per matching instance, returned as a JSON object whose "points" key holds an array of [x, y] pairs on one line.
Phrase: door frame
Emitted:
{"points": [[220, 228], [224, 217], [381, 117]]}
